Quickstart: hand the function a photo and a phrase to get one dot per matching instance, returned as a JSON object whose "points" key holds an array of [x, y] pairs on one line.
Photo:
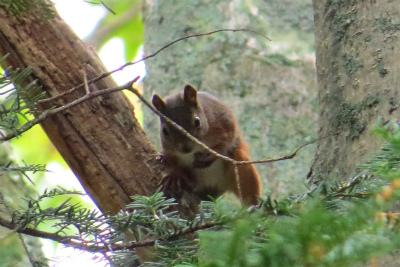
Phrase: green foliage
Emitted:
{"points": [[23, 169], [386, 163], [150, 220], [21, 7], [19, 103], [123, 22], [21, 96]]}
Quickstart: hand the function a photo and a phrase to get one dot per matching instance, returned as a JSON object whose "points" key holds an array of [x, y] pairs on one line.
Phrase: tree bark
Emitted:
{"points": [[100, 139], [357, 47]]}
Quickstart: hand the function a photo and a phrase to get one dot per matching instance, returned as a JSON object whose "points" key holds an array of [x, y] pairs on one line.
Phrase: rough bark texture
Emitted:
{"points": [[100, 139], [273, 96], [357, 46]]}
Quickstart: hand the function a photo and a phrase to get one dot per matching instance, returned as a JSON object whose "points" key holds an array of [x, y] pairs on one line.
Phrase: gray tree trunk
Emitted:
{"points": [[357, 46], [357, 62], [272, 95]]}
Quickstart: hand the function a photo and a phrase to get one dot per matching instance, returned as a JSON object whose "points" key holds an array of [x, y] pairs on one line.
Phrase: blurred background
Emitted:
{"points": [[270, 84]]}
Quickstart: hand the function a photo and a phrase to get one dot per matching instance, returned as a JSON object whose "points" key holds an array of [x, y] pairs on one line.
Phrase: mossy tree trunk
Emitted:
{"points": [[357, 46], [358, 50]]}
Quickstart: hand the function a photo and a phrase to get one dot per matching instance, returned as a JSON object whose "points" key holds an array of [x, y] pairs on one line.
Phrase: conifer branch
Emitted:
{"points": [[92, 246]]}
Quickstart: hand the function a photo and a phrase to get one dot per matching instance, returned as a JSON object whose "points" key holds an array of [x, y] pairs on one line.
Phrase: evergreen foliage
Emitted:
{"points": [[21, 97], [20, 7], [331, 225]]}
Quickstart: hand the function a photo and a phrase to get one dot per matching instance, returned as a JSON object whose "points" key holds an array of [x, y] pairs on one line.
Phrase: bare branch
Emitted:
{"points": [[38, 233], [355, 181], [290, 156], [85, 82], [109, 9], [106, 74], [51, 112], [194, 139], [28, 254], [237, 180], [128, 86], [103, 4]]}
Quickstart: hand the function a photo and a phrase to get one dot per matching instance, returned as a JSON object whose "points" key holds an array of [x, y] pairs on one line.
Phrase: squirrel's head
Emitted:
{"points": [[185, 110]]}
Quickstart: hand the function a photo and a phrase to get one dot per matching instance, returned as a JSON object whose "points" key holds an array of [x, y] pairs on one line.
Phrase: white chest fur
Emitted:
{"points": [[211, 177]]}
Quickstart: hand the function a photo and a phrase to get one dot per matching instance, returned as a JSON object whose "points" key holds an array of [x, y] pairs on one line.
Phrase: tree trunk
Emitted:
{"points": [[357, 46], [100, 139], [272, 96]]}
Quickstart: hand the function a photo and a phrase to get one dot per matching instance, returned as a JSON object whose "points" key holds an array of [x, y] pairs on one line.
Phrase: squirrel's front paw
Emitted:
{"points": [[203, 159], [176, 183]]}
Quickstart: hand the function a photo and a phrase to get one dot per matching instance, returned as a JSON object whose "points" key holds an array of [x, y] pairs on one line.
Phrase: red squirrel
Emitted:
{"points": [[191, 167]]}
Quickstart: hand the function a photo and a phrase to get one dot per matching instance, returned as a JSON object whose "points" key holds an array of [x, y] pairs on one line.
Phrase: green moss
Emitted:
{"points": [[348, 115], [343, 16], [341, 23], [382, 70], [369, 102], [351, 64], [387, 25]]}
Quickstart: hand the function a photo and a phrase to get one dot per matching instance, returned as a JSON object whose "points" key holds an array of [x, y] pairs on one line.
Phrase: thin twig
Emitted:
{"points": [[128, 86], [106, 74], [355, 181], [91, 246], [7, 91], [103, 4], [213, 152], [37, 233], [177, 126], [354, 195], [85, 82], [109, 9], [54, 111], [21, 238], [237, 179], [290, 156]]}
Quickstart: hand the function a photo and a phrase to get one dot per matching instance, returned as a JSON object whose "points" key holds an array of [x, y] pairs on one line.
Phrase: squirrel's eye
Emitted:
{"points": [[165, 131], [197, 121]]}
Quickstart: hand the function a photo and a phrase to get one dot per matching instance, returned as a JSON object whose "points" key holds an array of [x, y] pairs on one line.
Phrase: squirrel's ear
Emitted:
{"points": [[158, 103], [190, 95]]}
